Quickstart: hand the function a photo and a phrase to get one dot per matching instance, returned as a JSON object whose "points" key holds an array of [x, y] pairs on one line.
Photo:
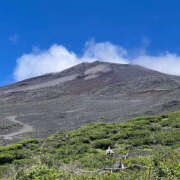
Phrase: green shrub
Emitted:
{"points": [[85, 147], [37, 173], [6, 158], [103, 143], [11, 147]]}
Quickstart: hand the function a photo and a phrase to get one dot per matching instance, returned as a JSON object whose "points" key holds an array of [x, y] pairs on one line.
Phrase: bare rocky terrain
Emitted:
{"points": [[88, 92]]}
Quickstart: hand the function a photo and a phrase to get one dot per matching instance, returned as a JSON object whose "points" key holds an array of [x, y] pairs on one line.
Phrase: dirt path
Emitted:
{"points": [[25, 128]]}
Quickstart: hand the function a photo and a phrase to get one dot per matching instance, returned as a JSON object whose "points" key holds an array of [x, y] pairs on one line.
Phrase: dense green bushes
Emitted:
{"points": [[38, 173], [162, 165], [21, 150], [153, 142], [103, 143]]}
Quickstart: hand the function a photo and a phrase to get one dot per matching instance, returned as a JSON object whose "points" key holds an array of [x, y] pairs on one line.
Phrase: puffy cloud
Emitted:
{"points": [[55, 59], [105, 51], [167, 63], [58, 58]]}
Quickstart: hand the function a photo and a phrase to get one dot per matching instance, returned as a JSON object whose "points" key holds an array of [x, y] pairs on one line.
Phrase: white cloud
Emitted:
{"points": [[105, 51], [55, 59], [58, 58], [167, 63]]}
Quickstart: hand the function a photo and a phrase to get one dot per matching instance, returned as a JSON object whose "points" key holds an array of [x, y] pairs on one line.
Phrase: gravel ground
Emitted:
{"points": [[115, 94]]}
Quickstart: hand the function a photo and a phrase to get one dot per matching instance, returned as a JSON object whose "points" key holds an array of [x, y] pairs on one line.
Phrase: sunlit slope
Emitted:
{"points": [[86, 93]]}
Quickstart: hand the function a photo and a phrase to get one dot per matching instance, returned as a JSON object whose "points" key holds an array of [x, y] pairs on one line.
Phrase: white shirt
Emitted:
{"points": [[109, 151]]}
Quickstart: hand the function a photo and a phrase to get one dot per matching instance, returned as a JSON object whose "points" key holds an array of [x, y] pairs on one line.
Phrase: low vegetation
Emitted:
{"points": [[152, 144], [8, 126]]}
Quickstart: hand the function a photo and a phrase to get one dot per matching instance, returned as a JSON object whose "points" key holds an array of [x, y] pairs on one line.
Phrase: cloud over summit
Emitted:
{"points": [[58, 58]]}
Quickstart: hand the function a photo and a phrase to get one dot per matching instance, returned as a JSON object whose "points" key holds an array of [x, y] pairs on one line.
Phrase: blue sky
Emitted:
{"points": [[30, 29]]}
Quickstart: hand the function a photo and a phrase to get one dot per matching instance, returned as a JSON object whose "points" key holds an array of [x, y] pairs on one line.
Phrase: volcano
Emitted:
{"points": [[85, 93]]}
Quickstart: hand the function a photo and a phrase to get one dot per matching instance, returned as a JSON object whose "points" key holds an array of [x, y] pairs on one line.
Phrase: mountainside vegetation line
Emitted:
{"points": [[152, 144]]}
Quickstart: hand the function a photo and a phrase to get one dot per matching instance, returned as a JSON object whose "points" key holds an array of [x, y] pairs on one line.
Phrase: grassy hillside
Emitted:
{"points": [[153, 145]]}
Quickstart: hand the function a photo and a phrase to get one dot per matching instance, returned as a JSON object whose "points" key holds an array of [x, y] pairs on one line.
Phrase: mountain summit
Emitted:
{"points": [[85, 93], [88, 76]]}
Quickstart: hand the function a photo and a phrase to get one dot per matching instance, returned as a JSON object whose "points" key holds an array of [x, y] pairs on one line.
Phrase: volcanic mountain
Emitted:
{"points": [[88, 92]]}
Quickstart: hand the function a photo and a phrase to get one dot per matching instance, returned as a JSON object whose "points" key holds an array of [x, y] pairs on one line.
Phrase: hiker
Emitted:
{"points": [[125, 156], [109, 151], [117, 166]]}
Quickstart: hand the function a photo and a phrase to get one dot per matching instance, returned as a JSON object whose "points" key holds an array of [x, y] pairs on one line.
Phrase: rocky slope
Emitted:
{"points": [[85, 93]]}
